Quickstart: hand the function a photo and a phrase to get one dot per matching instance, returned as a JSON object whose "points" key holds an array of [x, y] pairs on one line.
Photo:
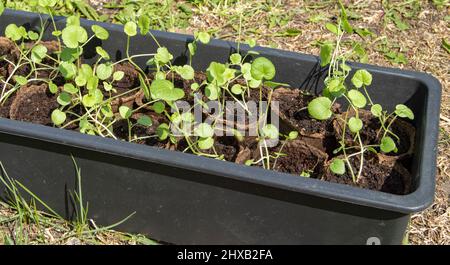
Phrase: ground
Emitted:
{"points": [[408, 34]]}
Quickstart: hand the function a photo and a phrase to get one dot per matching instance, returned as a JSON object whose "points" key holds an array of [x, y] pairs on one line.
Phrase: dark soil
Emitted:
{"points": [[131, 77], [33, 104], [299, 157], [377, 174]]}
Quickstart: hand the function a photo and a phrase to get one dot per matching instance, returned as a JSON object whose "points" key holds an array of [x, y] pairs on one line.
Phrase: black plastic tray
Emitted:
{"points": [[185, 199]]}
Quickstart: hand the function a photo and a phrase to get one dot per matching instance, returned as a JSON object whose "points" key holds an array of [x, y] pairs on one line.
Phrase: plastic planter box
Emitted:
{"points": [[185, 199]]}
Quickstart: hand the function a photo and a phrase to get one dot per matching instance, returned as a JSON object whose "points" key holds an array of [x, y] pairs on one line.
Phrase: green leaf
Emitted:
{"points": [[236, 89], [293, 135], [251, 43], [212, 91], [376, 110], [326, 51], [205, 143], [104, 71], [332, 28], [203, 37], [20, 80], [355, 124], [58, 117], [100, 32], [163, 55], [192, 48], [145, 120], [125, 112], [337, 166], [404, 112], [68, 70], [163, 131], [107, 111], [2, 8], [38, 53], [164, 89], [270, 131], [92, 83], [204, 130], [33, 35], [73, 35], [70, 55], [118, 75], [94, 97], [52, 87], [263, 68], [274, 85], [100, 51], [14, 32], [159, 107], [70, 88], [235, 58], [185, 71], [144, 24], [362, 77], [357, 98], [387, 144], [130, 29], [64, 99], [320, 108]]}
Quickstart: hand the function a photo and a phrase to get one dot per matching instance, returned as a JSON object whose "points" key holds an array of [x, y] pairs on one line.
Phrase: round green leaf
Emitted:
{"points": [[13, 32], [58, 117], [235, 58], [100, 32], [163, 55], [145, 120], [387, 144], [357, 98], [236, 89], [125, 112], [270, 131], [100, 51], [376, 110], [204, 130], [118, 75], [20, 80], [293, 135], [73, 35], [164, 89], [70, 88], [130, 29], [355, 124], [263, 68], [159, 107], [52, 87], [204, 37], [320, 108], [361, 77], [337, 166], [104, 71], [404, 112], [163, 131], [38, 53], [68, 70], [64, 99], [185, 71], [205, 143]]}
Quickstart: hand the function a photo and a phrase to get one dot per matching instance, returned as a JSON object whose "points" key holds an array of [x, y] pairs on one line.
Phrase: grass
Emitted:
{"points": [[409, 34]]}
